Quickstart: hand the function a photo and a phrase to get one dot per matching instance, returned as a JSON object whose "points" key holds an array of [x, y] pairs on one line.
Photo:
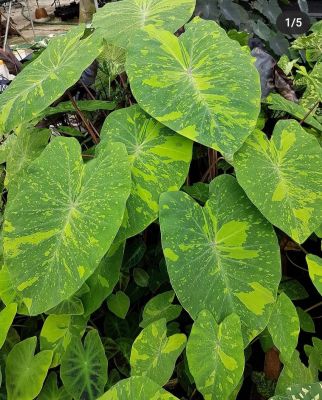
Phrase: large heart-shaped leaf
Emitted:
{"points": [[314, 264], [45, 79], [84, 368], [26, 372], [154, 354], [284, 326], [137, 387], [6, 318], [135, 14], [215, 355], [223, 256], [159, 159], [63, 220], [283, 177], [201, 85]]}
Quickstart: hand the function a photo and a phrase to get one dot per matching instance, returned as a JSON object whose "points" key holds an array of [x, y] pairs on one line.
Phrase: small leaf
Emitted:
{"points": [[50, 391], [293, 289], [154, 354], [137, 388], [306, 321], [25, 371], [84, 368], [314, 264], [159, 307], [141, 277], [119, 304], [7, 316], [216, 355], [284, 326]]}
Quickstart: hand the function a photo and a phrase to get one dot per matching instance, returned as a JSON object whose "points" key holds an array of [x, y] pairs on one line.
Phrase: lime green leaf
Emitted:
{"points": [[224, 256], [159, 161], [314, 264], [56, 334], [6, 318], [135, 14], [216, 355], [25, 371], [154, 354], [101, 283], [314, 354], [40, 83], [284, 326], [292, 373], [159, 307], [50, 391], [119, 304], [137, 387], [84, 368], [48, 259], [306, 321], [318, 231], [211, 97], [266, 170]]}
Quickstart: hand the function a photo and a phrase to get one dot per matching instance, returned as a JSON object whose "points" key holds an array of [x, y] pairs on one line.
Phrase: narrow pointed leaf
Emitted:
{"points": [[211, 96], [216, 355], [224, 256], [25, 371], [58, 67], [154, 354], [137, 387], [135, 14], [283, 177], [84, 368], [159, 159], [315, 270], [63, 220], [284, 326]]}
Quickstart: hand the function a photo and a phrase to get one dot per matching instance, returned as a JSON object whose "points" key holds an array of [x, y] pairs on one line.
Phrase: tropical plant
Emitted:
{"points": [[162, 242]]}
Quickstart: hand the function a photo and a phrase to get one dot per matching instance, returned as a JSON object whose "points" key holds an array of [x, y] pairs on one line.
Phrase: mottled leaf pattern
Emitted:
{"points": [[159, 160], [284, 326], [84, 368], [201, 85], [166, 14], [302, 392], [315, 270], [137, 387], [6, 317], [25, 371], [41, 82], [154, 354], [283, 177], [216, 355], [206, 247], [63, 220]]}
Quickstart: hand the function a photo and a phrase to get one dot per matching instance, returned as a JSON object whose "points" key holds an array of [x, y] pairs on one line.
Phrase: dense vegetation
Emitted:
{"points": [[161, 222]]}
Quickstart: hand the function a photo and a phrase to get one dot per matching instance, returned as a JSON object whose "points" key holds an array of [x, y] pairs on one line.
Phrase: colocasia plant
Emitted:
{"points": [[169, 248]]}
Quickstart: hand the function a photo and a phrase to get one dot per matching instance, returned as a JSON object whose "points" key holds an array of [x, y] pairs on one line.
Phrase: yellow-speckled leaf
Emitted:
{"points": [[215, 355], [314, 264], [154, 354], [63, 220], [284, 326], [138, 388], [135, 14], [283, 177], [47, 78], [201, 85], [223, 256], [159, 159]]}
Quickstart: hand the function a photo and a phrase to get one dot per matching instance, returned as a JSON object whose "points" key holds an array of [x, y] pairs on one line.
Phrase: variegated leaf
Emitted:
{"points": [[137, 387], [315, 270], [224, 256], [159, 159], [154, 354], [41, 82], [284, 326], [201, 85], [216, 355], [61, 223], [135, 14], [283, 177]]}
